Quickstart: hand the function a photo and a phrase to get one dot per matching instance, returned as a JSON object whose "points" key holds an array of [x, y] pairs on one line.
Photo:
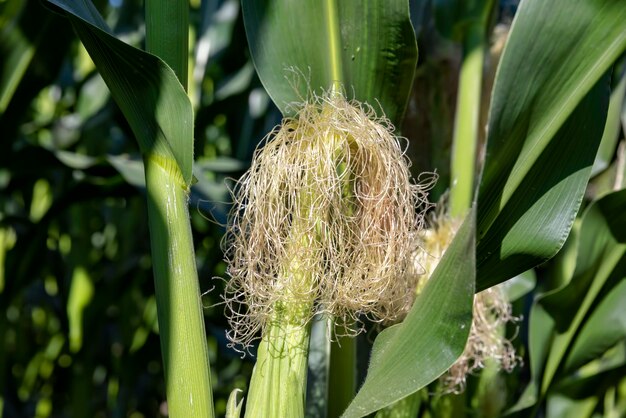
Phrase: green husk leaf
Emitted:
{"points": [[234, 405]]}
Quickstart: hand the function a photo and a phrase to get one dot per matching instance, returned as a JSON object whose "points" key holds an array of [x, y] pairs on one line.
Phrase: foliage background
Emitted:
{"points": [[78, 325], [78, 333]]}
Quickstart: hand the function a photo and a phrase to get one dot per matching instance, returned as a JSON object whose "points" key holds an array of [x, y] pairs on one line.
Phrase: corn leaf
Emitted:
{"points": [[612, 129], [408, 356], [601, 265], [596, 376], [575, 323], [563, 407], [144, 87], [546, 121], [605, 327], [367, 47]]}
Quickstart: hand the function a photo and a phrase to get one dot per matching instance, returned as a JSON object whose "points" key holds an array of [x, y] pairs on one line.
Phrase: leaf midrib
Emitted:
{"points": [[334, 44]]}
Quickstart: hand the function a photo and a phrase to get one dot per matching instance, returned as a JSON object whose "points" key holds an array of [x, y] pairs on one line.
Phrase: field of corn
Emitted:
{"points": [[313, 208]]}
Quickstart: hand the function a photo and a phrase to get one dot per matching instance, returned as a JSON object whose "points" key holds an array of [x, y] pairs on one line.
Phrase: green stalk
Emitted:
{"points": [[334, 45], [342, 375], [181, 321], [467, 117]]}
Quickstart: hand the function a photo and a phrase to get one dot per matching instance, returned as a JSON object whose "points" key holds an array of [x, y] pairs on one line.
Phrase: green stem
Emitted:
{"points": [[342, 375], [181, 322], [334, 44], [466, 122]]}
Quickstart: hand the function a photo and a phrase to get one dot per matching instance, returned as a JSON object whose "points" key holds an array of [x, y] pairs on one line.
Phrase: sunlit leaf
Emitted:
{"points": [[545, 125], [307, 46], [144, 87], [408, 356]]}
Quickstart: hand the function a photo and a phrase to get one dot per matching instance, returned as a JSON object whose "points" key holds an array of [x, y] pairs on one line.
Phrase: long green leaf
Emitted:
{"points": [[584, 291], [594, 377], [546, 121], [159, 113], [367, 48], [612, 129], [558, 316], [601, 230], [167, 34], [408, 356], [144, 87], [605, 327]]}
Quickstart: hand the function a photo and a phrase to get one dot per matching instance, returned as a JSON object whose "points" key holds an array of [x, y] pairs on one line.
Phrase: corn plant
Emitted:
{"points": [[156, 106], [330, 230]]}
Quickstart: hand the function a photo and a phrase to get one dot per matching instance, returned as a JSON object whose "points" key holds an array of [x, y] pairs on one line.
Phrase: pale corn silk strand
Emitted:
{"points": [[485, 342], [491, 311], [326, 217]]}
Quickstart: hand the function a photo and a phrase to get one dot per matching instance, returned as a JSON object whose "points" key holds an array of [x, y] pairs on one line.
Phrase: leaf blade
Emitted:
{"points": [[408, 356], [297, 50], [547, 75], [144, 87]]}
